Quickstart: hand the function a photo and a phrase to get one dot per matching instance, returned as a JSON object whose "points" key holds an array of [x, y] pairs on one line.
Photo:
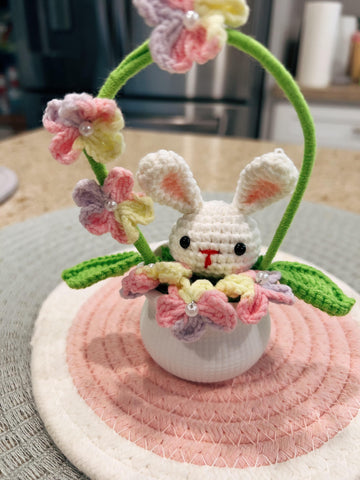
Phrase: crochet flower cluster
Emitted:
{"points": [[80, 121], [188, 31], [188, 308]]}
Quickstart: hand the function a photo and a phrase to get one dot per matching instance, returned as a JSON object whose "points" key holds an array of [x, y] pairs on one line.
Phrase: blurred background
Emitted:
{"points": [[52, 47]]}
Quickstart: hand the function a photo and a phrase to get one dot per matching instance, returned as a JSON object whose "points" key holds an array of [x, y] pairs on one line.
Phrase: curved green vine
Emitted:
{"points": [[293, 93], [141, 58]]}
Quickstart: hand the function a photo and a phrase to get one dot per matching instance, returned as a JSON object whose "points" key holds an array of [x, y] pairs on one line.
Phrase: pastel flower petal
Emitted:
{"points": [[75, 108], [251, 311], [236, 285], [117, 230], [88, 193], [274, 291], [135, 283], [118, 184], [130, 213], [280, 294], [153, 11], [189, 330], [194, 46], [171, 273], [194, 291], [51, 117], [162, 41], [234, 12], [215, 306], [61, 146], [106, 143], [215, 30], [170, 309], [94, 221], [184, 5], [108, 111]]}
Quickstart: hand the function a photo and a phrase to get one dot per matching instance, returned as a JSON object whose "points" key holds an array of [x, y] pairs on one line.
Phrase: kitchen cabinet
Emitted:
{"points": [[336, 126]]}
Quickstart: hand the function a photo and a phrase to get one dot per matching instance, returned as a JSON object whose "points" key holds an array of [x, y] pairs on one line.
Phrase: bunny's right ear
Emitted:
{"points": [[265, 180], [166, 177]]}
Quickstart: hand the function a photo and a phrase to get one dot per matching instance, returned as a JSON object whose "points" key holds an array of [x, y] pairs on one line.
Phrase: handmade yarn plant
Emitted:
{"points": [[211, 274]]}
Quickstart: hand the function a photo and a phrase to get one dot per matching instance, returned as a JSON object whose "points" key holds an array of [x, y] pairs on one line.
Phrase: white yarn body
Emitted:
{"points": [[217, 226], [217, 356]]}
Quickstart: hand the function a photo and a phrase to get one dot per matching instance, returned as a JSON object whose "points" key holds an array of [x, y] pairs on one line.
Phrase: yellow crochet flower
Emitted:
{"points": [[130, 213], [106, 142], [192, 292], [214, 14], [237, 285], [172, 273]]}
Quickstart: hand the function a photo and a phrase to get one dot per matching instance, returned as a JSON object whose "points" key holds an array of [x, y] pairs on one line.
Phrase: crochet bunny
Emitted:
{"points": [[215, 238]]}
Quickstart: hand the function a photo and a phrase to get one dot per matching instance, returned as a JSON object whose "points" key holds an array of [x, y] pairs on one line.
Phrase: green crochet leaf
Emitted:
{"points": [[314, 287], [92, 271]]}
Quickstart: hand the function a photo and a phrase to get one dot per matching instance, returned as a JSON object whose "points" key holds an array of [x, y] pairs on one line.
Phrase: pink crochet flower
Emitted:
{"points": [[267, 289], [188, 322], [113, 207], [136, 284], [80, 121], [188, 31]]}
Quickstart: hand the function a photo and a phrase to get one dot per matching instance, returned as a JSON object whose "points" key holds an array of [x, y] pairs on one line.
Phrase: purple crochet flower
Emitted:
{"points": [[270, 281], [267, 289], [113, 207], [188, 31], [191, 329]]}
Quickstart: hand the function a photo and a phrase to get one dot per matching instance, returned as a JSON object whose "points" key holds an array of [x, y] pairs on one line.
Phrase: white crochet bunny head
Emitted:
{"points": [[215, 238]]}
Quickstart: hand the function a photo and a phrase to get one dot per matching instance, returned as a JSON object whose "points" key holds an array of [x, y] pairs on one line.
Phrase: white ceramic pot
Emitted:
{"points": [[215, 357]]}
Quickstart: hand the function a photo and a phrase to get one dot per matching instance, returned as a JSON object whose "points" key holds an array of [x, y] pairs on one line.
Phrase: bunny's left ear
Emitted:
{"points": [[167, 178], [265, 180]]}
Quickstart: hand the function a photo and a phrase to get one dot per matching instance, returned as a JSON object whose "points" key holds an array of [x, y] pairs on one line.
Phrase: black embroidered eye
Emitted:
{"points": [[240, 249], [184, 242]]}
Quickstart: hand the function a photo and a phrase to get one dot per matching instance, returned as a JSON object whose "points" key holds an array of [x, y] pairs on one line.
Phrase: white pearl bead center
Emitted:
{"points": [[191, 19], [191, 309], [262, 277], [86, 129], [111, 205]]}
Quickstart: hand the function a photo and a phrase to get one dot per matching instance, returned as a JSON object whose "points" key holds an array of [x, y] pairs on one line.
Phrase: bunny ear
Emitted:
{"points": [[167, 178], [264, 181]]}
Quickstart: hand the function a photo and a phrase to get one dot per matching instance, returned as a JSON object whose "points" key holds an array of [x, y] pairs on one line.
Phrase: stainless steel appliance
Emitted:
{"points": [[71, 45]]}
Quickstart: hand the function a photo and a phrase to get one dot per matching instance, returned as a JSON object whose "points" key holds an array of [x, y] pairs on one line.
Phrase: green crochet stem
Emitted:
{"points": [[98, 168], [293, 93], [144, 249], [128, 68], [141, 58]]}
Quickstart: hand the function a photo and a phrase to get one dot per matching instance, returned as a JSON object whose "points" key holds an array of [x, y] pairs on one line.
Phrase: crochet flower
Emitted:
{"points": [[142, 279], [80, 121], [189, 310], [267, 289], [113, 207], [188, 31]]}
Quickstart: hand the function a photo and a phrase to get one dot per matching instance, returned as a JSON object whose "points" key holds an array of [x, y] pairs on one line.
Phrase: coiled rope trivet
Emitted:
{"points": [[116, 414]]}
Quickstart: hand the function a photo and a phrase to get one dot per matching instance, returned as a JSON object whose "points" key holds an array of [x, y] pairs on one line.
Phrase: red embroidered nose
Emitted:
{"points": [[208, 254]]}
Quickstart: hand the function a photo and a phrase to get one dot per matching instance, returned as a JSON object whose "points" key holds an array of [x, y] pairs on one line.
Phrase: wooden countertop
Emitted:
{"points": [[45, 185]]}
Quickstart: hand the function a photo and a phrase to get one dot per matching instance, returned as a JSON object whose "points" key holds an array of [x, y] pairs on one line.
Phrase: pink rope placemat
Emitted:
{"points": [[294, 412]]}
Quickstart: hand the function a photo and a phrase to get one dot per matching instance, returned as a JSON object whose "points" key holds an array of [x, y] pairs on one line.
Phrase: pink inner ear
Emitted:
{"points": [[262, 191], [171, 184]]}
